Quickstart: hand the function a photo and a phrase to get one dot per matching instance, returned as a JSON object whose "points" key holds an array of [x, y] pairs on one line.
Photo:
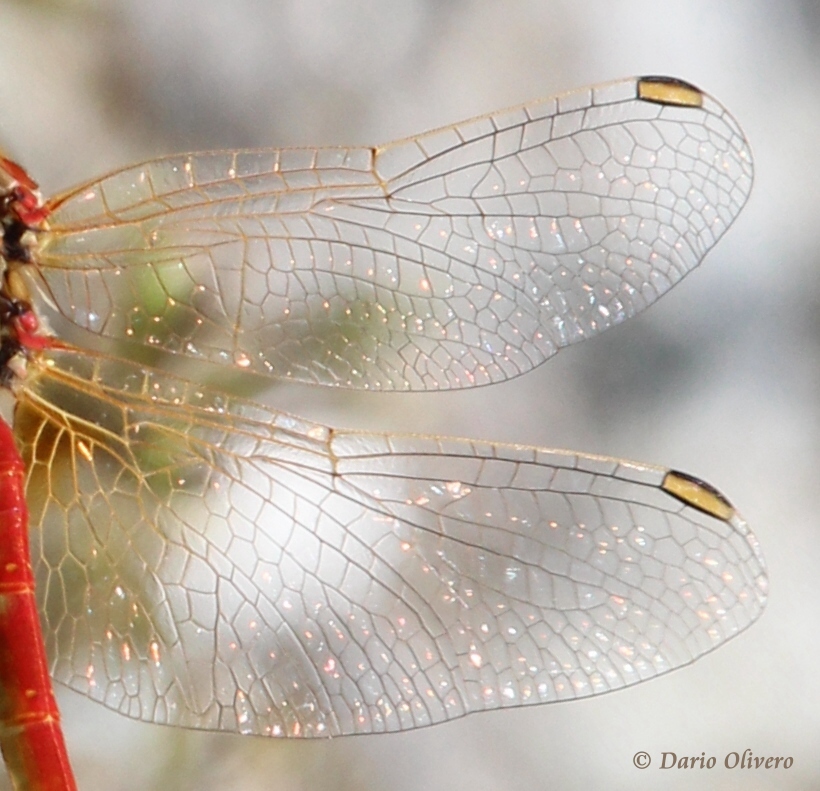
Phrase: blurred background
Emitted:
{"points": [[719, 379]]}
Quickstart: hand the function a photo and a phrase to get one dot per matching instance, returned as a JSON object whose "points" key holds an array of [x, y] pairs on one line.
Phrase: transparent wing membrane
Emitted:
{"points": [[210, 563], [206, 561], [460, 257]]}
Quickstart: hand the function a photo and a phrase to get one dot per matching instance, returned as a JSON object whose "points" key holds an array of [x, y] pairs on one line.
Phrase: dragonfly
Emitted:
{"points": [[203, 560]]}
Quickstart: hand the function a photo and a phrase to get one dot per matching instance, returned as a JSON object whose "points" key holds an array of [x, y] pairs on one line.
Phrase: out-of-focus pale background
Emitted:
{"points": [[719, 379]]}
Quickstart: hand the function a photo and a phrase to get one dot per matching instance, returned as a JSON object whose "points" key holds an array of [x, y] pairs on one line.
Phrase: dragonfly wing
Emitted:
{"points": [[460, 257], [232, 568]]}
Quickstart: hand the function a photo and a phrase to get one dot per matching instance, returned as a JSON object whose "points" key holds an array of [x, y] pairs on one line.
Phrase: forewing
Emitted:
{"points": [[232, 568], [460, 257]]}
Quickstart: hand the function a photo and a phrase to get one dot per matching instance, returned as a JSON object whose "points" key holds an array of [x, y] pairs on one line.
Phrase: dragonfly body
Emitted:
{"points": [[206, 561], [30, 735]]}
